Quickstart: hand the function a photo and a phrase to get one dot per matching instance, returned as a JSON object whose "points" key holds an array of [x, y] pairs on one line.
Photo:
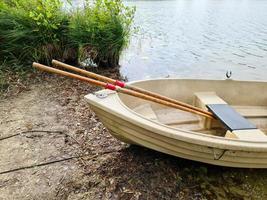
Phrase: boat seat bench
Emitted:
{"points": [[252, 111], [237, 126], [230, 118]]}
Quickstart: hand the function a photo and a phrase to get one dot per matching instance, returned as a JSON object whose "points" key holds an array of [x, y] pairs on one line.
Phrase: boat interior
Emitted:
{"points": [[247, 99]]}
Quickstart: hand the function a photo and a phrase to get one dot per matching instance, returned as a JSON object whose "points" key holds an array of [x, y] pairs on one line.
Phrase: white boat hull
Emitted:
{"points": [[133, 128]]}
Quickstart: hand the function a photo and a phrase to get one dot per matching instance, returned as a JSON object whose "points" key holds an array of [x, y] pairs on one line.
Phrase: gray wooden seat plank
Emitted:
{"points": [[230, 118]]}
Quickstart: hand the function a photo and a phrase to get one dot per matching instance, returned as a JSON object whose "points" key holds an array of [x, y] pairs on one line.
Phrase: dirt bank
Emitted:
{"points": [[105, 168]]}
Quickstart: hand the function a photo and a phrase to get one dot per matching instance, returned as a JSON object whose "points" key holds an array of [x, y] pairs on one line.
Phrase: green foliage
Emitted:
{"points": [[40, 30], [31, 30], [101, 30], [47, 14]]}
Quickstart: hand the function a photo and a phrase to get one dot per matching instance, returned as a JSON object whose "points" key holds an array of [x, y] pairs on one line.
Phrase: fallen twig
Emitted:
{"points": [[38, 165], [31, 131], [39, 131], [55, 161]]}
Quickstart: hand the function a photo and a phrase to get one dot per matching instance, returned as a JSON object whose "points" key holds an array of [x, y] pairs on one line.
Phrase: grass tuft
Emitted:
{"points": [[41, 30], [32, 31], [101, 30]]}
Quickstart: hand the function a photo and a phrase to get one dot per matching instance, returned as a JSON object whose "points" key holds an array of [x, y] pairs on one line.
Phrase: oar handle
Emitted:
{"points": [[89, 74], [75, 76]]}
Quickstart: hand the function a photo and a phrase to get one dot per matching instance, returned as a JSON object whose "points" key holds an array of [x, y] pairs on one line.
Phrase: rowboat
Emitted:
{"points": [[236, 137], [220, 122]]}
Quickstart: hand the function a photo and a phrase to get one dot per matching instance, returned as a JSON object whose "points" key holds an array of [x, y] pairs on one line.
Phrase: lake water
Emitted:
{"points": [[198, 39]]}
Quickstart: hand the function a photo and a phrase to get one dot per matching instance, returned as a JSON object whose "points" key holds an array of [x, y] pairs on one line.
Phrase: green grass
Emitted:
{"points": [[40, 30], [101, 31], [32, 31]]}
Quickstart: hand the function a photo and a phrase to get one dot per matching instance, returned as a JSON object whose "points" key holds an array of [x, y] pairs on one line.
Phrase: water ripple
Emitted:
{"points": [[201, 39]]}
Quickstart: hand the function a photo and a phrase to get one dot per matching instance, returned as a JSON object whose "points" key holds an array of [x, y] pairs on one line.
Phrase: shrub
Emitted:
{"points": [[40, 30], [34, 30], [101, 30]]}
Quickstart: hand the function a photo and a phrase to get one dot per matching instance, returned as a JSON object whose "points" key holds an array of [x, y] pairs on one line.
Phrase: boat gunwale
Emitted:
{"points": [[195, 79]]}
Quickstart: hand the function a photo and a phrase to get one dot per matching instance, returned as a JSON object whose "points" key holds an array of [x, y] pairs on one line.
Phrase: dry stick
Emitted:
{"points": [[56, 161], [39, 131], [38, 165], [124, 85], [118, 89], [31, 131]]}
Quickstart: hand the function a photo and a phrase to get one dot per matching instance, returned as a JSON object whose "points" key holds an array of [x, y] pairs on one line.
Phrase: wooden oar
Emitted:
{"points": [[116, 88], [125, 85]]}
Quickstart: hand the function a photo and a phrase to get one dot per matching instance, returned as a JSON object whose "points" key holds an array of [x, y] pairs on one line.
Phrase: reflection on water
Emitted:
{"points": [[198, 38]]}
